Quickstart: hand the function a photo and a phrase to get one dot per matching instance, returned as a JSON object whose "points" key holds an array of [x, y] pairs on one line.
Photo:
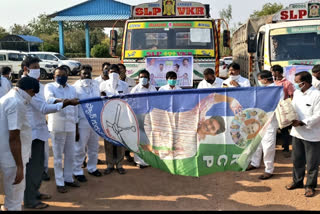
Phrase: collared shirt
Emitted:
{"points": [[121, 88], [217, 84], [168, 88], [288, 87], [85, 91], [131, 83], [5, 86], [36, 115], [307, 106], [315, 82], [139, 88], [99, 79], [66, 119], [243, 82], [13, 108]]}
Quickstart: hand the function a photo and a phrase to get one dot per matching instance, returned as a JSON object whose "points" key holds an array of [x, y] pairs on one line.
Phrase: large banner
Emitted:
{"points": [[159, 66], [187, 132], [291, 70]]}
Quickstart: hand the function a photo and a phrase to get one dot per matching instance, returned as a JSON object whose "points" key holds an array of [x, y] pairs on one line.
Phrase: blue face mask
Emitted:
{"points": [[62, 80], [297, 86], [172, 82]]}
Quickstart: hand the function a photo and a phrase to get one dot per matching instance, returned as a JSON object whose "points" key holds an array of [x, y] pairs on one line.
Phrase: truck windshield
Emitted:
{"points": [[169, 36], [299, 46]]}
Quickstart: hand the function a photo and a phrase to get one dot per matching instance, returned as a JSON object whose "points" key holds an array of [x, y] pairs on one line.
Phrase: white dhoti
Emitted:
{"points": [[90, 140], [63, 145]]}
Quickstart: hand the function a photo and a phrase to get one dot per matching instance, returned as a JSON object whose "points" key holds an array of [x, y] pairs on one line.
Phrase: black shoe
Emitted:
{"points": [[62, 189], [96, 173], [121, 171], [142, 166], [129, 158], [108, 171], [100, 162], [81, 178], [45, 176], [72, 184]]}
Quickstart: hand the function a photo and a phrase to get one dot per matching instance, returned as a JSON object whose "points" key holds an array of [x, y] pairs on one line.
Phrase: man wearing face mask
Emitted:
{"points": [[268, 142], [210, 80], [235, 79], [16, 139], [62, 126], [104, 75], [36, 115], [316, 76], [305, 133], [86, 88], [123, 76], [111, 87], [171, 78], [143, 87]]}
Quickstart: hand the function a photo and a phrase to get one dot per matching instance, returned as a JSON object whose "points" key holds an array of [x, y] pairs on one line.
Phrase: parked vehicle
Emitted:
{"points": [[72, 66], [290, 38], [227, 60], [223, 69], [13, 59]]}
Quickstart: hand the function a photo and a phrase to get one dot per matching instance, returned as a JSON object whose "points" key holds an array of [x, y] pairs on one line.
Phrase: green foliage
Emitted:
{"points": [[267, 9], [100, 51], [3, 32], [20, 29], [226, 14]]}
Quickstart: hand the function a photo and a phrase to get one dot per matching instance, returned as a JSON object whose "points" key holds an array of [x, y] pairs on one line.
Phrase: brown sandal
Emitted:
{"points": [[44, 196], [309, 192]]}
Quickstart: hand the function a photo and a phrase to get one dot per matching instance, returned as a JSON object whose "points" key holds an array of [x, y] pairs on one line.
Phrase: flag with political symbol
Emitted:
{"points": [[187, 132]]}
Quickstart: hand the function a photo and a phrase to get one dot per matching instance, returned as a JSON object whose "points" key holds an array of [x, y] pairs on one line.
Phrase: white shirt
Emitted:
{"points": [[99, 79], [217, 83], [5, 86], [36, 114], [315, 82], [66, 119], [85, 91], [168, 88], [13, 108], [139, 89], [307, 106], [243, 82], [121, 88], [130, 82]]}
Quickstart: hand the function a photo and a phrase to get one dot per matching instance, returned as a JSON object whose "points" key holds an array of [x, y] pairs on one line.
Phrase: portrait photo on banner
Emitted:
{"points": [[159, 66]]}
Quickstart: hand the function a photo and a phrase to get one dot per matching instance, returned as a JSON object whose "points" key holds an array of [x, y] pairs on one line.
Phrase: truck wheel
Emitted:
{"points": [[43, 74]]}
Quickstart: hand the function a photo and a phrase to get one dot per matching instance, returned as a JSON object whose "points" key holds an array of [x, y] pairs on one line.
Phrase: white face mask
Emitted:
{"points": [[114, 78], [86, 82], [34, 73], [232, 77], [143, 81]]}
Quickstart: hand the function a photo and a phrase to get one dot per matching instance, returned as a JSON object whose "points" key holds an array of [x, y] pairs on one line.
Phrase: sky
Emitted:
{"points": [[23, 11]]}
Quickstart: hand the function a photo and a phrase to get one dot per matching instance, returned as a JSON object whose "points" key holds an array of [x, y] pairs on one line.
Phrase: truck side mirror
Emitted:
{"points": [[226, 38], [252, 43], [113, 42]]}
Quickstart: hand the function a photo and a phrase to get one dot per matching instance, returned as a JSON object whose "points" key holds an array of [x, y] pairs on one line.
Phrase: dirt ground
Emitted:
{"points": [[153, 189]]}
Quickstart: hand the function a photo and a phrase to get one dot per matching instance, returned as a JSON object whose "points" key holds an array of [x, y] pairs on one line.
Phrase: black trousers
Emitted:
{"points": [[34, 170], [305, 153], [285, 137]]}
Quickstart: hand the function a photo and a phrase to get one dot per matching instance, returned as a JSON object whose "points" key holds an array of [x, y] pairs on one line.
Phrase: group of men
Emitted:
{"points": [[25, 131]]}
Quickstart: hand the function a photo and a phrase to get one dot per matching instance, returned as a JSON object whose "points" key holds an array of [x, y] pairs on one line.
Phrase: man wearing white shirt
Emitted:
{"points": [[62, 126], [36, 114], [306, 135], [88, 138], [111, 87], [316, 76], [235, 79], [210, 80], [104, 75], [171, 78], [123, 76], [268, 142], [16, 139], [5, 85], [143, 87]]}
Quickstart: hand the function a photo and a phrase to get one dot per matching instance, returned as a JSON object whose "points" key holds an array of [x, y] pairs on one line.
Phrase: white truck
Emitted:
{"points": [[290, 38], [13, 59]]}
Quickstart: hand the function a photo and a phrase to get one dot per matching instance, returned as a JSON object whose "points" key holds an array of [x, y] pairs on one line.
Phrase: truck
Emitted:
{"points": [[171, 28], [289, 38]]}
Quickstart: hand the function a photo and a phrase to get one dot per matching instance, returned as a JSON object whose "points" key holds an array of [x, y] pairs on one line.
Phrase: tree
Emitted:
{"points": [[43, 25], [226, 14], [267, 9], [3, 32], [20, 29]]}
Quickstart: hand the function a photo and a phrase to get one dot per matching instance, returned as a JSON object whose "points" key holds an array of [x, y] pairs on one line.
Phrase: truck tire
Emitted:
{"points": [[43, 74]]}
